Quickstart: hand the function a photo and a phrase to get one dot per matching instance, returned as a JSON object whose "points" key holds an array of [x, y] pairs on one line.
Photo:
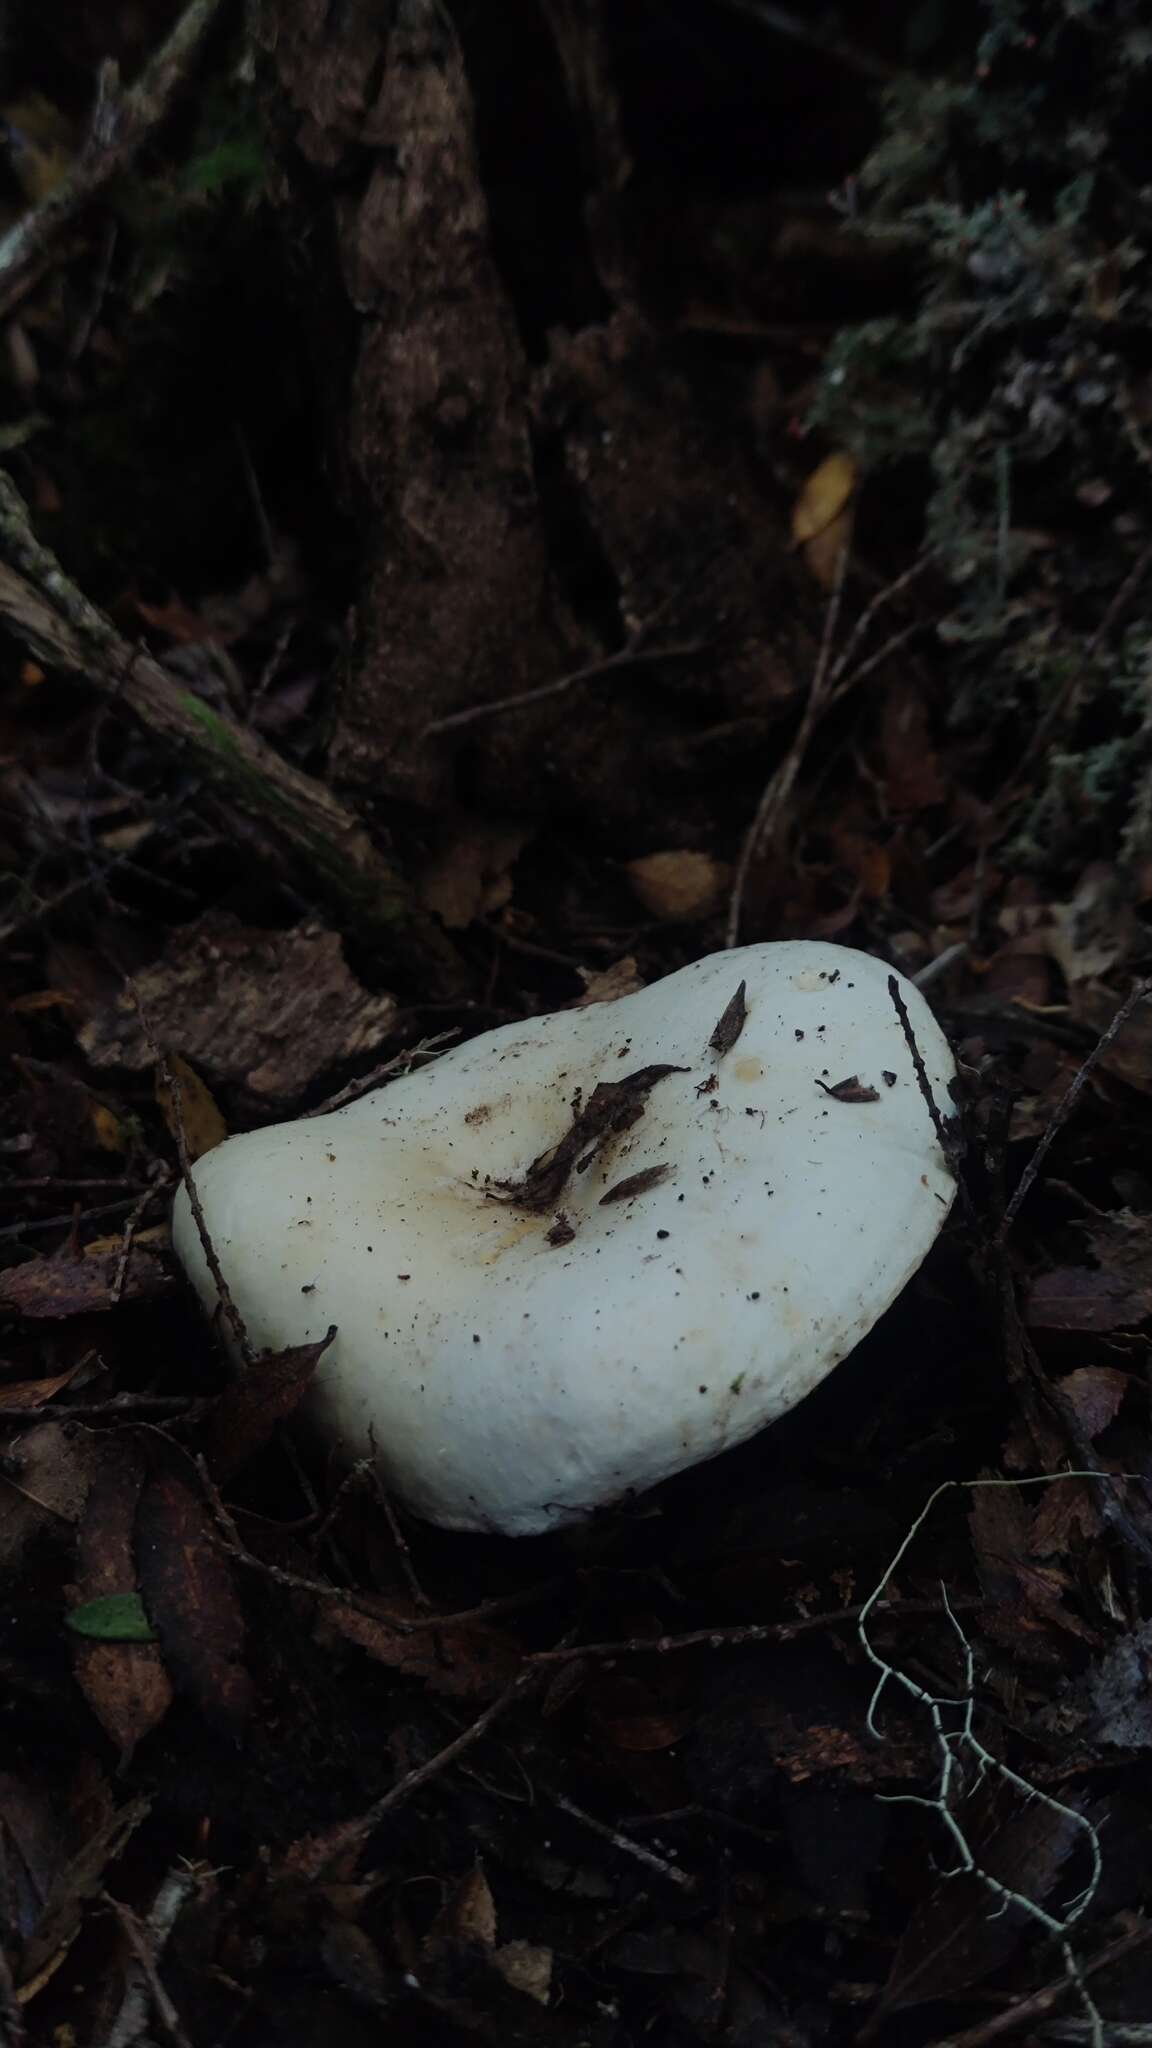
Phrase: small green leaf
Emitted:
{"points": [[115, 1618]]}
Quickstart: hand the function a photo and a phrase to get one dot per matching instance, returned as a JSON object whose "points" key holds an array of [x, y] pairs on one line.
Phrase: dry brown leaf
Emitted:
{"points": [[527, 1968], [194, 1111], [107, 1129], [823, 496], [242, 1421], [125, 1684], [158, 1236], [471, 1663], [679, 885], [33, 1393], [468, 1915], [471, 876], [608, 984], [49, 1473], [186, 1583]]}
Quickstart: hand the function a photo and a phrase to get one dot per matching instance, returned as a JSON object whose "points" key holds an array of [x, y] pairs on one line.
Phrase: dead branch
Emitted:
{"points": [[120, 124], [53, 618], [1063, 1110]]}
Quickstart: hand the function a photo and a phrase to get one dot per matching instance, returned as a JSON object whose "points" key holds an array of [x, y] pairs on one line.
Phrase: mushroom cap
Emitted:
{"points": [[518, 1348]]}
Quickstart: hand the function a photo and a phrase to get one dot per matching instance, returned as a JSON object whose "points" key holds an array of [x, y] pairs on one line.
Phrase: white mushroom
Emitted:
{"points": [[580, 1253]]}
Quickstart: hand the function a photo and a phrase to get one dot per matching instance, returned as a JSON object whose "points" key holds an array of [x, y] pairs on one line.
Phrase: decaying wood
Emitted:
{"points": [[493, 492], [326, 843]]}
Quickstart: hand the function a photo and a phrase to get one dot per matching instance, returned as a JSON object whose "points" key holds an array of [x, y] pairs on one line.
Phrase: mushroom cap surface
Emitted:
{"points": [[521, 1340]]}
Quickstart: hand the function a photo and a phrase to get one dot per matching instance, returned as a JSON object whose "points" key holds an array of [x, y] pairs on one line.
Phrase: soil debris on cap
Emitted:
{"points": [[612, 1107], [731, 1023], [636, 1184]]}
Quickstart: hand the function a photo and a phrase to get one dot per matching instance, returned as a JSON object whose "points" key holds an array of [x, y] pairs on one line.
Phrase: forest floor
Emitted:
{"points": [[386, 659]]}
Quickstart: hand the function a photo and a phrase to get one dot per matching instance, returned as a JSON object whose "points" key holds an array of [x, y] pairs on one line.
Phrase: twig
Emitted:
{"points": [[782, 781], [400, 1063], [631, 656], [946, 1143], [625, 1843], [740, 1635], [38, 1223], [157, 1407], [1040, 2003], [118, 130], [143, 1984], [131, 1225], [814, 34], [354, 1834], [1063, 1110], [403, 1547], [148, 1981], [51, 615]]}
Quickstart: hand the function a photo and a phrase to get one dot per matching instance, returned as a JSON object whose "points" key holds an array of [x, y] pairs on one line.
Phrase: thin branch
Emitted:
{"points": [[946, 1143], [739, 1636], [1063, 1110], [782, 781], [351, 1837], [1037, 2007], [631, 656], [119, 127], [624, 1843]]}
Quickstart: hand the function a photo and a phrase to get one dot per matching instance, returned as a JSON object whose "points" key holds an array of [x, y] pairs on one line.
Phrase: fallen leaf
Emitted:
{"points": [[124, 1682], [955, 1938], [1095, 1394], [46, 1479], [190, 1108], [243, 1420], [679, 886], [1096, 928], [107, 1128], [1129, 1056], [80, 1880], [188, 1591], [466, 1663], [33, 1393], [823, 496], [824, 553], [1113, 1294], [526, 1967], [468, 1915], [113, 1618], [471, 876], [609, 984]]}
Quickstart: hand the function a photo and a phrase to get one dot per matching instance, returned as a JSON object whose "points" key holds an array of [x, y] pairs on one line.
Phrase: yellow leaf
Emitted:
{"points": [[108, 1129], [195, 1114], [823, 552], [104, 1247], [823, 496]]}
